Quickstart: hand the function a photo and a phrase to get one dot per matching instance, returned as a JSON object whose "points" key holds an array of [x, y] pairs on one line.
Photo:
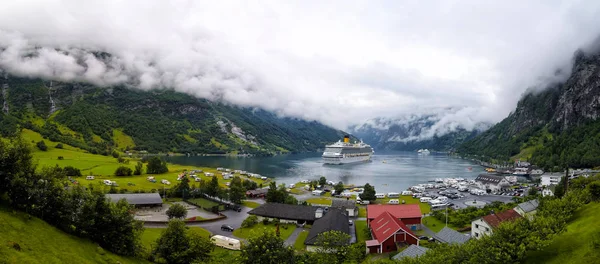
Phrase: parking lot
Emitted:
{"points": [[467, 199]]}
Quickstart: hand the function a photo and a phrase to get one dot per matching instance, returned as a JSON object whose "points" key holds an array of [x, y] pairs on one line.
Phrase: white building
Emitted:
{"points": [[485, 225], [551, 179], [494, 183], [547, 192]]}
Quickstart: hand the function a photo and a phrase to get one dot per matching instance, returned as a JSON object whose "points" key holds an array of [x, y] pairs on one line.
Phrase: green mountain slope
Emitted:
{"points": [[31, 240], [553, 128], [101, 119]]}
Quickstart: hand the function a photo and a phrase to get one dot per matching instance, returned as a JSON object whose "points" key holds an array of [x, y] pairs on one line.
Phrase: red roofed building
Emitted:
{"points": [[483, 226], [387, 231], [409, 214]]}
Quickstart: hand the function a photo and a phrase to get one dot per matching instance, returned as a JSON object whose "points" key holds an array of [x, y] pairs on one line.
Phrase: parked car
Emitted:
{"points": [[350, 222], [227, 228], [423, 238], [236, 208]]}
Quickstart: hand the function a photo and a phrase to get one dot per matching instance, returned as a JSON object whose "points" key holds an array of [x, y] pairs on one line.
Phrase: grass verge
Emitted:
{"points": [[250, 204], [285, 230], [299, 243], [320, 200], [361, 234]]}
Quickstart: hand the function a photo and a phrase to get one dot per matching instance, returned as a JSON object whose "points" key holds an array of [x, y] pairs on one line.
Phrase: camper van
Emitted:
{"points": [[439, 206], [443, 199], [393, 201], [209, 174], [220, 169], [380, 195], [226, 242], [418, 188], [393, 195], [425, 199], [89, 177], [463, 188], [317, 192], [407, 193], [107, 182]]}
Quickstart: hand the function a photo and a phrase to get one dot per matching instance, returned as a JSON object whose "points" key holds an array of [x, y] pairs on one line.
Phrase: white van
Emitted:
{"points": [[407, 193], [107, 182], [425, 199], [226, 242], [380, 195], [89, 177], [393, 195], [393, 201]]}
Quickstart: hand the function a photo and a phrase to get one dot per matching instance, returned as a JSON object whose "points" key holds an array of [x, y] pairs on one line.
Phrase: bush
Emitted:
{"points": [[71, 171], [59, 146], [250, 221], [115, 154], [61, 158], [42, 145], [265, 221], [176, 211], [123, 171]]}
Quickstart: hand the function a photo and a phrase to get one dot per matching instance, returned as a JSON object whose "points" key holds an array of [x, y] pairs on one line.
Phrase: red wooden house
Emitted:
{"points": [[388, 231], [409, 214]]}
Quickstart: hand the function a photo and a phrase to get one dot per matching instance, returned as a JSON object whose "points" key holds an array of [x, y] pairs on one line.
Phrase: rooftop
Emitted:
{"points": [[411, 251], [285, 211], [397, 210], [334, 220], [528, 206], [385, 225], [449, 235], [489, 178], [494, 220], [136, 198], [345, 204]]}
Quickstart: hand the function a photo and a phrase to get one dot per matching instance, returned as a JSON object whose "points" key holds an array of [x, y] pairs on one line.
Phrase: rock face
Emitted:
{"points": [[558, 108], [414, 132]]}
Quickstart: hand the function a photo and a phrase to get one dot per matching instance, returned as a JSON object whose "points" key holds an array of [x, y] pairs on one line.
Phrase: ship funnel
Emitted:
{"points": [[346, 139]]}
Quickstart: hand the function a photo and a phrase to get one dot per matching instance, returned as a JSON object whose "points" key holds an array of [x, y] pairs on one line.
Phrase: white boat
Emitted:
{"points": [[423, 151], [346, 152]]}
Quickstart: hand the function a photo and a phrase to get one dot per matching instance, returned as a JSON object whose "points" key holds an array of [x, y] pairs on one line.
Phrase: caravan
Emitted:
{"points": [[394, 201], [226, 242], [380, 195], [425, 199]]}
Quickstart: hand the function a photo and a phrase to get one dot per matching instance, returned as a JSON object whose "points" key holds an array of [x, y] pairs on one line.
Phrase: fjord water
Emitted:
{"points": [[388, 172]]}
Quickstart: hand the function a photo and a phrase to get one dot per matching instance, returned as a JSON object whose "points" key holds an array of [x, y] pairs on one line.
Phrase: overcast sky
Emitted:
{"points": [[339, 62]]}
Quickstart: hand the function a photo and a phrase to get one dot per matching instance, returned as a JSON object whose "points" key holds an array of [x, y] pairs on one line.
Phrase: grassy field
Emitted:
{"points": [[150, 235], [103, 167], [361, 236], [320, 200], [250, 204], [434, 224], [122, 140], [579, 244], [362, 211], [299, 243], [41, 243], [425, 208], [247, 232], [203, 202]]}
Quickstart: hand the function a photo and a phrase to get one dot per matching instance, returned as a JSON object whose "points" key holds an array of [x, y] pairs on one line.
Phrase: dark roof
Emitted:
{"points": [[489, 179], [449, 235], [257, 191], [343, 204], [136, 198], [411, 251], [528, 206], [494, 220], [285, 211], [334, 220]]}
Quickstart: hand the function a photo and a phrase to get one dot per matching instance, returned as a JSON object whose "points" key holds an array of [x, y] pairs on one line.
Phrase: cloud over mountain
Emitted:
{"points": [[337, 62]]}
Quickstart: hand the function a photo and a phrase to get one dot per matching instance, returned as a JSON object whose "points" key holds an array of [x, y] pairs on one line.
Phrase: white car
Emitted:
{"points": [[163, 181]]}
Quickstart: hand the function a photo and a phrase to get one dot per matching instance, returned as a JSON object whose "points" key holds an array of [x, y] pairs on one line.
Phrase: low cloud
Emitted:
{"points": [[336, 62]]}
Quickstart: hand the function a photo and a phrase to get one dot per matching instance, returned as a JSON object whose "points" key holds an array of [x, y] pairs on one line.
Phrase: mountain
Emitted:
{"points": [[556, 127], [102, 119], [414, 132]]}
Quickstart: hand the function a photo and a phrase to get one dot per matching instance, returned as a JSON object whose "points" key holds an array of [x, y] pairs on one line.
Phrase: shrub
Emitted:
{"points": [[42, 145], [250, 221], [59, 146], [72, 171], [61, 158], [115, 154], [265, 221], [123, 171]]}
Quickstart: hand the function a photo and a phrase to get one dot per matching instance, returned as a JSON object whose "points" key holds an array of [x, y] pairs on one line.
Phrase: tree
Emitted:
{"points": [[533, 191], [115, 154], [322, 181], [59, 146], [139, 168], [594, 189], [333, 243], [177, 211], [178, 245], [183, 188], [250, 185], [213, 188], [156, 166], [41, 145], [123, 171], [339, 188], [368, 193], [71, 171], [266, 248], [236, 190]]}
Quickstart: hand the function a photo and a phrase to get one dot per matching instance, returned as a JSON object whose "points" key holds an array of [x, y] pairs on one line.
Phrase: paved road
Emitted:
{"points": [[292, 239]]}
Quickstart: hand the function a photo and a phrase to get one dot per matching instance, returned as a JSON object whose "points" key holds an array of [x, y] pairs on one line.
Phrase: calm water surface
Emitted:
{"points": [[387, 172]]}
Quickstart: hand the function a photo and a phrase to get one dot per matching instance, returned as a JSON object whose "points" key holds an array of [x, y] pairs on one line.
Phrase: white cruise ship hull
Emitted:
{"points": [[345, 160]]}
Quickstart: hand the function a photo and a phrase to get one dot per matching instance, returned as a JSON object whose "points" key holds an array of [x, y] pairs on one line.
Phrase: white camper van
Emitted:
{"points": [[226, 242], [380, 195], [89, 177], [393, 201], [407, 193], [393, 195], [425, 199]]}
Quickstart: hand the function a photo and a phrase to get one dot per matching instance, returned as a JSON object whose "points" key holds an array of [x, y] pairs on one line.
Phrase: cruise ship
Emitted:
{"points": [[346, 152]]}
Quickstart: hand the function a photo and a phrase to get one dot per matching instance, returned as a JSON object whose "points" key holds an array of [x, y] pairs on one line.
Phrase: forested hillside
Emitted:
{"points": [[102, 119], [554, 128]]}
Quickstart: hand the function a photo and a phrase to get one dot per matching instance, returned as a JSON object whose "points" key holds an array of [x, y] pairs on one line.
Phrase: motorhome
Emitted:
{"points": [[418, 188], [226, 242], [394, 201], [394, 195], [380, 195], [408, 193], [107, 182], [89, 177], [425, 199], [209, 174]]}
